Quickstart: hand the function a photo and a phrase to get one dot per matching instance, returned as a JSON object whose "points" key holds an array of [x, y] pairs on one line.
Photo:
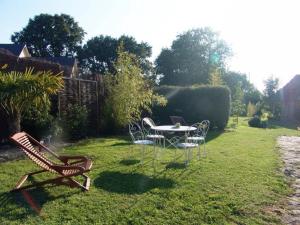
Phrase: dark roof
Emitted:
{"points": [[293, 83], [64, 61], [15, 49]]}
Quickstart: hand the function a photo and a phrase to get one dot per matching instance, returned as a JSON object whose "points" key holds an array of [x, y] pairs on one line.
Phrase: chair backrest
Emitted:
{"points": [[135, 132], [204, 126], [27, 144], [147, 124], [178, 119]]}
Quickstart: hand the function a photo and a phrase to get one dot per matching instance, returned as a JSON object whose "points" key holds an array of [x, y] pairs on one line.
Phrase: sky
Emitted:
{"points": [[264, 35]]}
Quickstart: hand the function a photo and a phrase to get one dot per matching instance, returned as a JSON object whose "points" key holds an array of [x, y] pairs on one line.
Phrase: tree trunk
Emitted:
{"points": [[14, 123]]}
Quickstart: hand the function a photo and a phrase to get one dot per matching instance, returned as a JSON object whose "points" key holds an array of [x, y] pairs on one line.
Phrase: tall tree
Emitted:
{"points": [[47, 35], [192, 57], [99, 54], [271, 95], [19, 92], [235, 80]]}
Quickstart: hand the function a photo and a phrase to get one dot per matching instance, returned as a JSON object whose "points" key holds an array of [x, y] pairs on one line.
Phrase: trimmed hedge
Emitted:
{"points": [[195, 104]]}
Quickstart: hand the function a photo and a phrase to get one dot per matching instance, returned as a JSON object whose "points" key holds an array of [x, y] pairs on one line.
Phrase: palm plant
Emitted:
{"points": [[19, 92]]}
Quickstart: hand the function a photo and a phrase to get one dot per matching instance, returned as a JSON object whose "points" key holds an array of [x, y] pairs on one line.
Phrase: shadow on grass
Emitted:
{"points": [[129, 162], [176, 165], [130, 183], [121, 144], [213, 134], [20, 204], [279, 124]]}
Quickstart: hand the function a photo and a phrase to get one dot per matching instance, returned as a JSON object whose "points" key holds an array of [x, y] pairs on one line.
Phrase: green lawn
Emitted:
{"points": [[239, 182]]}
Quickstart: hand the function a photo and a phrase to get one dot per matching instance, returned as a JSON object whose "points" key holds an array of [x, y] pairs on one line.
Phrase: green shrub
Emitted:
{"points": [[37, 123], [75, 122], [195, 104], [254, 122], [260, 122]]}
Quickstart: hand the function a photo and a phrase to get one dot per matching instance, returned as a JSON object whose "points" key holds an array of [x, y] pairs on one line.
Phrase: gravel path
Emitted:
{"points": [[290, 151]]}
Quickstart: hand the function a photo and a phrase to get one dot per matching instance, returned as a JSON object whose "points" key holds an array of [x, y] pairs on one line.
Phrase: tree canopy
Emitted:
{"points": [[47, 35], [236, 81], [272, 96], [193, 56], [99, 54]]}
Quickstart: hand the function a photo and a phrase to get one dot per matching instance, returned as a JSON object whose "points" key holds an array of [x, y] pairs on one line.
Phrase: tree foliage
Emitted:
{"points": [[236, 81], [47, 35], [99, 54], [215, 78], [19, 92], [251, 109], [271, 95], [191, 58], [237, 106], [128, 92]]}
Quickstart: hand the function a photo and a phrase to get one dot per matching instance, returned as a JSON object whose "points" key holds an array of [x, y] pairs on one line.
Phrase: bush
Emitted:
{"points": [[75, 122], [254, 122], [259, 122], [37, 123], [195, 104]]}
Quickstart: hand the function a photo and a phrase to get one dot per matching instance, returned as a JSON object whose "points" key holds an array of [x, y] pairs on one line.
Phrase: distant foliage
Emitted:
{"points": [[192, 57], [236, 81], [271, 97], [51, 35], [195, 104], [128, 93], [251, 109], [99, 54], [215, 78], [75, 122], [238, 107]]}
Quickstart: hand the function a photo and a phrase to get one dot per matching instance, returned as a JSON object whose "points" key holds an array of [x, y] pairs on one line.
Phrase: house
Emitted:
{"points": [[68, 65], [18, 50], [290, 100]]}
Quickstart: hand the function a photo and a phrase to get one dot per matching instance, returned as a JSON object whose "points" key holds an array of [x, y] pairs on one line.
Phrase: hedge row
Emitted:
{"points": [[195, 104]]}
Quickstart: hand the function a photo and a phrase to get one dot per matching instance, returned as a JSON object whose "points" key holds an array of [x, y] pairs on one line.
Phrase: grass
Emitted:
{"points": [[239, 182]]}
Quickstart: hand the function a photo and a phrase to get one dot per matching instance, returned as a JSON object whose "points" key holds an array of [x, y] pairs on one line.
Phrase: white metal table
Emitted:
{"points": [[171, 128], [174, 141]]}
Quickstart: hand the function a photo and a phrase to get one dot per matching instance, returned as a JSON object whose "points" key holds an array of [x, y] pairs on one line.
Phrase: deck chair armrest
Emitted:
{"points": [[66, 158]]}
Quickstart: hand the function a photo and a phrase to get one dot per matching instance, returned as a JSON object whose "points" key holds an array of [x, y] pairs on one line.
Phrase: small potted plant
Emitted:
{"points": [[177, 125]]}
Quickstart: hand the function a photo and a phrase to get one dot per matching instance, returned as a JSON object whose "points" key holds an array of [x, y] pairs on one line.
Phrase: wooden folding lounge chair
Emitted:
{"points": [[67, 168]]}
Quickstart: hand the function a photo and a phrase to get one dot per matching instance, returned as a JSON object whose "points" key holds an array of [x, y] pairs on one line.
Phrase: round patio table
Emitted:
{"points": [[172, 128]]}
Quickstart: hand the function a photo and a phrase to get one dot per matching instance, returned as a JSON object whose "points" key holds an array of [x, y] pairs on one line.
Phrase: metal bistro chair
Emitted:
{"points": [[147, 125], [187, 146], [138, 138], [199, 135]]}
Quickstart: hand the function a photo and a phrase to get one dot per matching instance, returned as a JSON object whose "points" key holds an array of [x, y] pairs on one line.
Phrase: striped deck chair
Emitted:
{"points": [[66, 168]]}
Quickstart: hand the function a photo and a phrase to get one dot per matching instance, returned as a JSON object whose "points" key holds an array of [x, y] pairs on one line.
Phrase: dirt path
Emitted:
{"points": [[290, 150]]}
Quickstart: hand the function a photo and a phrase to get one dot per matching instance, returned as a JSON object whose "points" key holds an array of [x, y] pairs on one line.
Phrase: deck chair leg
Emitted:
{"points": [[21, 182], [24, 178], [75, 183]]}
